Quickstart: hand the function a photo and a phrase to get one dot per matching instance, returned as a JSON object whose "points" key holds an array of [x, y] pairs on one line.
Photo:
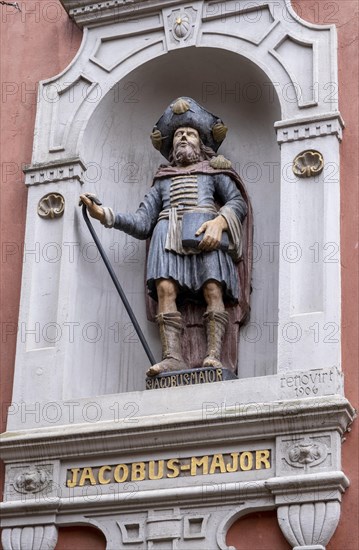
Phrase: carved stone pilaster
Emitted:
{"points": [[39, 537]]}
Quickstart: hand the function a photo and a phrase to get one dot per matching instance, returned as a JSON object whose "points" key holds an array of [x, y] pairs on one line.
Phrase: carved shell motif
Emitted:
{"points": [[308, 163], [180, 106], [220, 163], [51, 206], [219, 131], [182, 26], [156, 138]]}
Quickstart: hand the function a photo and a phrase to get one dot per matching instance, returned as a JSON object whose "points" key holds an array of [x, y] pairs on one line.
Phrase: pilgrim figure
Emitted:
{"points": [[198, 217]]}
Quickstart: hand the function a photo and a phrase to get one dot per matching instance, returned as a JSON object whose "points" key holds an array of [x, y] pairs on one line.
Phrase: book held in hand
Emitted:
{"points": [[191, 222]]}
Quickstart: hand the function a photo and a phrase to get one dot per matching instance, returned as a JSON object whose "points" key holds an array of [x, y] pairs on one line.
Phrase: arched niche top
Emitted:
{"points": [[224, 82], [297, 57]]}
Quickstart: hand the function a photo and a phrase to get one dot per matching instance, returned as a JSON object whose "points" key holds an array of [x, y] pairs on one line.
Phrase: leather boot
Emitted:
{"points": [[170, 325], [215, 323]]}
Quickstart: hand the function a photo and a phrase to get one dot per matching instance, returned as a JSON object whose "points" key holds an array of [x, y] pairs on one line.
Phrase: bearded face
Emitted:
{"points": [[186, 146]]}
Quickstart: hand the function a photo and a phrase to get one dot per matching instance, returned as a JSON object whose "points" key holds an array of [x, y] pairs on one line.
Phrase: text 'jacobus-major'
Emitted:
{"points": [[170, 468]]}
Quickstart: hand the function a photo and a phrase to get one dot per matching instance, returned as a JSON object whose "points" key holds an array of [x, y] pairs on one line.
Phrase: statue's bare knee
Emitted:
{"points": [[213, 295], [167, 294]]}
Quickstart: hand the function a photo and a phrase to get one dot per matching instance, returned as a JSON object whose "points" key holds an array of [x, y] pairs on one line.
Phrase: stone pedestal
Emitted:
{"points": [[189, 377]]}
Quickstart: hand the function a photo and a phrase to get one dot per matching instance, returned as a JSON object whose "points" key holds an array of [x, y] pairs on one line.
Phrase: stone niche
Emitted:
{"points": [[270, 439], [116, 145]]}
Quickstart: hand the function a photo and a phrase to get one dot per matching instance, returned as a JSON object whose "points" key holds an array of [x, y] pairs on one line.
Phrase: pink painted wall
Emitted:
{"points": [[257, 531], [37, 44]]}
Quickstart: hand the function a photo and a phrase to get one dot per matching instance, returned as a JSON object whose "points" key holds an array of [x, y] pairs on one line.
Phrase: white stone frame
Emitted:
{"points": [[308, 121], [309, 297]]}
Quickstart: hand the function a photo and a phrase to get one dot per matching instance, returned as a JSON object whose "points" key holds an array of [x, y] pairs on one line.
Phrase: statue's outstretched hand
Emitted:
{"points": [[92, 203], [212, 230]]}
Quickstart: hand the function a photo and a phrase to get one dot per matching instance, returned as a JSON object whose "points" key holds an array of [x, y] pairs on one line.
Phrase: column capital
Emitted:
{"points": [[297, 129], [58, 170]]}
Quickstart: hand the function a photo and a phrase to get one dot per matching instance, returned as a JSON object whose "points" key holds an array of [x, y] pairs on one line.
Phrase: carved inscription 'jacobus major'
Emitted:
{"points": [[171, 468]]}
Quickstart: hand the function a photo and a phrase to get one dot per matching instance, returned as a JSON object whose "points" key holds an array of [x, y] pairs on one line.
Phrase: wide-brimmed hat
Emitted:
{"points": [[186, 112]]}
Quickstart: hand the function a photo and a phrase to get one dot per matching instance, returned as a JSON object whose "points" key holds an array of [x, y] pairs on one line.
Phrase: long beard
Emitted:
{"points": [[184, 156]]}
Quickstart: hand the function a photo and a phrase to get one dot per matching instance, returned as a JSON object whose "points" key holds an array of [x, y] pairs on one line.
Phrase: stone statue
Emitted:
{"points": [[198, 216]]}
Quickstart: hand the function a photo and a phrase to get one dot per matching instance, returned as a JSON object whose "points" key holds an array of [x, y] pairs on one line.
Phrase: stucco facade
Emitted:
{"points": [[37, 44]]}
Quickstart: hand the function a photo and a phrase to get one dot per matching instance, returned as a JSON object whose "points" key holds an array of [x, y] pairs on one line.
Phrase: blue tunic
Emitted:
{"points": [[193, 270]]}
